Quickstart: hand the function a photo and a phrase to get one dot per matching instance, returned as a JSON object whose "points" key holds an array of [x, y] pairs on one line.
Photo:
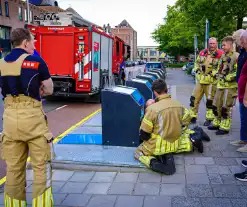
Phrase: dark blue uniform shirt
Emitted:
{"points": [[241, 60], [33, 71]]}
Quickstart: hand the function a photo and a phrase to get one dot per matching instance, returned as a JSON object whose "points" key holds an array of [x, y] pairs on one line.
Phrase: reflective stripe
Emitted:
{"points": [[225, 124], [210, 115], [216, 122], [192, 113], [11, 202], [164, 147], [225, 97], [146, 160], [185, 144], [44, 200], [210, 91], [149, 123]]}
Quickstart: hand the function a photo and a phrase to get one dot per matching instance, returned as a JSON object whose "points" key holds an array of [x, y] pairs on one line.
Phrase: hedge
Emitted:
{"points": [[176, 65]]}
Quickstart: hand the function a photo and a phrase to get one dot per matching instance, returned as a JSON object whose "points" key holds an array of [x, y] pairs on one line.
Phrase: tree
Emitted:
{"points": [[187, 18], [174, 36]]}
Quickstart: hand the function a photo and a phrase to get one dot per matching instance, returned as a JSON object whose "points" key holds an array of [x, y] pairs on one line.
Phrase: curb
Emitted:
{"points": [[75, 166]]}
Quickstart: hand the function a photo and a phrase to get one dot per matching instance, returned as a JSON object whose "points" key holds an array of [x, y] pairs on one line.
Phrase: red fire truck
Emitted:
{"points": [[121, 51], [81, 60]]}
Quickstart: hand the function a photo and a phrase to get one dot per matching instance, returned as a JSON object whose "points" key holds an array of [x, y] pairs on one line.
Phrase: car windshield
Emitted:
{"points": [[153, 65]]}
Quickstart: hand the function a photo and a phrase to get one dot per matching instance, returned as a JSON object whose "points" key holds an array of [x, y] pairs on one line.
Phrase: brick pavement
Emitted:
{"points": [[201, 179]]}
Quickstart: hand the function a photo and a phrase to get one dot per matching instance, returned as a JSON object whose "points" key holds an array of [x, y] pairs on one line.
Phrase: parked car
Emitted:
{"points": [[188, 65], [154, 65]]}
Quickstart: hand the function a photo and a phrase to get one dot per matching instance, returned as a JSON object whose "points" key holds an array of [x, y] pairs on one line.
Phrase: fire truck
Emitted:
{"points": [[81, 59], [121, 51]]}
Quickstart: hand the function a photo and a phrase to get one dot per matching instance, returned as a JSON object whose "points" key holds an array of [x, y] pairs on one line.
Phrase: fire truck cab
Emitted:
{"points": [[79, 58], [121, 52]]}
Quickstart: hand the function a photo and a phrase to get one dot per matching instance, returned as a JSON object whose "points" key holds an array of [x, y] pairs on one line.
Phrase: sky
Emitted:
{"points": [[142, 15]]}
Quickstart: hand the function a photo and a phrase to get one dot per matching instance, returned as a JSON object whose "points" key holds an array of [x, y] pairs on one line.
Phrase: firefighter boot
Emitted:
{"points": [[209, 113], [167, 159], [215, 125], [204, 136], [168, 168], [192, 105], [196, 141], [225, 123]]}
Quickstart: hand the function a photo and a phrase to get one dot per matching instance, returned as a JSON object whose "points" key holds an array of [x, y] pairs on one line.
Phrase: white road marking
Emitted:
{"points": [[60, 107]]}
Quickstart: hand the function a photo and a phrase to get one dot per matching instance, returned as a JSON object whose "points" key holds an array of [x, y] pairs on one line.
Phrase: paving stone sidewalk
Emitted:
{"points": [[201, 180]]}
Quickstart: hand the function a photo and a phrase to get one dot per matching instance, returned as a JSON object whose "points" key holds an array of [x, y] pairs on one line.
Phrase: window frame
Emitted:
{"points": [[25, 15], [31, 16], [20, 13], [1, 8], [6, 5]]}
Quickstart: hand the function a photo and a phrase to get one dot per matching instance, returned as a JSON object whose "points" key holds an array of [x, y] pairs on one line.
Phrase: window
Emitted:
{"points": [[6, 8], [2, 33], [25, 15], [153, 52], [5, 33], [20, 13], [145, 52], [0, 7], [31, 16]]}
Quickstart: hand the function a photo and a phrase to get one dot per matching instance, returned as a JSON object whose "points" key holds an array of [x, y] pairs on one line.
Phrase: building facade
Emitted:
{"points": [[129, 35], [151, 53], [13, 14]]}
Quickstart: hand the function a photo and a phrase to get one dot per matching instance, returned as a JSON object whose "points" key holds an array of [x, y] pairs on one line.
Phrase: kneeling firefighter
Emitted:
{"points": [[227, 87], [205, 66], [25, 129], [164, 131]]}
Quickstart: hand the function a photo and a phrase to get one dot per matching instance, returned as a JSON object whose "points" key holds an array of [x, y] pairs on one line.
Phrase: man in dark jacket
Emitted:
{"points": [[241, 60]]}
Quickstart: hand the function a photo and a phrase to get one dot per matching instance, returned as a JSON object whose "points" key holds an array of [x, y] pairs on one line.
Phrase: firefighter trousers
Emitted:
{"points": [[195, 99], [25, 130], [156, 146], [223, 102]]}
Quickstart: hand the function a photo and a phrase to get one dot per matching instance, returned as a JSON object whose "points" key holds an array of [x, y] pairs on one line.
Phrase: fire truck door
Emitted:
{"points": [[95, 61]]}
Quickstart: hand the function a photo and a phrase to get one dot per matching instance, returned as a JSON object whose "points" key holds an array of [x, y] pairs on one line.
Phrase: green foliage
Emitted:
{"points": [[175, 65], [187, 18]]}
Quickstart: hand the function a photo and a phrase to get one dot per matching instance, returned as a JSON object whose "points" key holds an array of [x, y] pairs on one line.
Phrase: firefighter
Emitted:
{"points": [[205, 67], [162, 132], [226, 92], [25, 79]]}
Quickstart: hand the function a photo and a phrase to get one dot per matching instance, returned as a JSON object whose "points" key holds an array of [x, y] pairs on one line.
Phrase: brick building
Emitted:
{"points": [[13, 14], [129, 35]]}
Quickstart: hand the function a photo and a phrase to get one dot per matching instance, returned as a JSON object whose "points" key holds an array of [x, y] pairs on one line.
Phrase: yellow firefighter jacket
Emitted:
{"points": [[165, 119], [205, 65], [227, 70]]}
